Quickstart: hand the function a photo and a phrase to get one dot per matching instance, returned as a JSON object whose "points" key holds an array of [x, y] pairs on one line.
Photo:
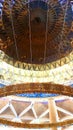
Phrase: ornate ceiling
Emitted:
{"points": [[36, 48], [36, 31], [56, 17], [13, 75]]}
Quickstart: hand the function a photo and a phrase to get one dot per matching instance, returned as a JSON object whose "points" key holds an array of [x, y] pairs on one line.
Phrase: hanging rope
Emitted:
{"points": [[12, 23], [30, 30]]}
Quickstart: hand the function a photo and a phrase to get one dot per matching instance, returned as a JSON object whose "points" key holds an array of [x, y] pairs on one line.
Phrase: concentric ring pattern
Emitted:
{"points": [[36, 31]]}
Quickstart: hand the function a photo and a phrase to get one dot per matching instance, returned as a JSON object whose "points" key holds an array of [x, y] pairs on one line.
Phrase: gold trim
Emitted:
{"points": [[36, 87], [26, 125], [36, 67]]}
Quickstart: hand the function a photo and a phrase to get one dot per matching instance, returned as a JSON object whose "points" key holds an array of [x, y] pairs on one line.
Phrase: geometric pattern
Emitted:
{"points": [[13, 75], [29, 112], [55, 18], [34, 67]]}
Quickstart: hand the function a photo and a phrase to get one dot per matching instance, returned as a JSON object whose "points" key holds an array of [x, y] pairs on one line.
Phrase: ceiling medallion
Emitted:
{"points": [[36, 31]]}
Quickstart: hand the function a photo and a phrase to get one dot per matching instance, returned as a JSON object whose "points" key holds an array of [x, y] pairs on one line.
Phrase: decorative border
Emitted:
{"points": [[37, 67], [36, 87], [36, 126]]}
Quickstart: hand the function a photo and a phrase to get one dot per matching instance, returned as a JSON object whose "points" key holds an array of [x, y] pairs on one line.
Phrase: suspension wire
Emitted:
{"points": [[46, 40], [12, 23], [30, 38], [30, 30], [46, 36], [61, 45]]}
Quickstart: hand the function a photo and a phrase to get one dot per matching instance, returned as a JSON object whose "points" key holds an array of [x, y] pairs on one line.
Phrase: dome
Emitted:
{"points": [[36, 64], [36, 32]]}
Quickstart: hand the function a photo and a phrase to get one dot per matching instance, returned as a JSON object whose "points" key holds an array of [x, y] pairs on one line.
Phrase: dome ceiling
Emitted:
{"points": [[32, 33], [37, 31]]}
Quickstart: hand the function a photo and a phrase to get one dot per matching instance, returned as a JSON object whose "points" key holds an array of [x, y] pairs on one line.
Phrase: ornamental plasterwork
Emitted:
{"points": [[16, 75]]}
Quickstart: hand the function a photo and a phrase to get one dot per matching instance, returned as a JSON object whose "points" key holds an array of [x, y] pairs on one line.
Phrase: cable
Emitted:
{"points": [[30, 30], [46, 36], [13, 30]]}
